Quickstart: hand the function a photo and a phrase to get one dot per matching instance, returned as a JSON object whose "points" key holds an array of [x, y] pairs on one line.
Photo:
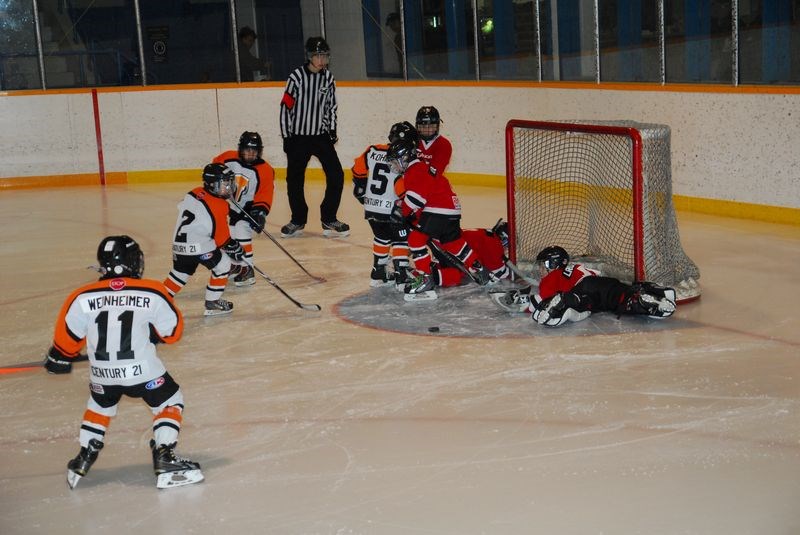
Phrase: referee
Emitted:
{"points": [[308, 128]]}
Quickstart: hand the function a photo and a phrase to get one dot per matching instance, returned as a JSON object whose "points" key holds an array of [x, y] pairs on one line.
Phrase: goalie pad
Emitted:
{"points": [[651, 300], [555, 312]]}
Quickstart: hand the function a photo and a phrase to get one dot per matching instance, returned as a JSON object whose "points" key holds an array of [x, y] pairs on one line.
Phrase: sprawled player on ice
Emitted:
{"points": [[120, 318], [572, 292]]}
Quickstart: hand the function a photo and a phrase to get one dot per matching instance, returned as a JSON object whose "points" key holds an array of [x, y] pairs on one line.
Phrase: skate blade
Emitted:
{"points": [[217, 312], [72, 479], [179, 478], [428, 295], [330, 233], [248, 282], [379, 284]]}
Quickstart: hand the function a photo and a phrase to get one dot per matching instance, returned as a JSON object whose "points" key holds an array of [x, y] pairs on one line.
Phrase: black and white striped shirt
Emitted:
{"points": [[308, 106]]}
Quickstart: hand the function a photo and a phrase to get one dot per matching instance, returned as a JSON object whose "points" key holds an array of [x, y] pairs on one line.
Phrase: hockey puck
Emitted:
{"points": [[433, 329]]}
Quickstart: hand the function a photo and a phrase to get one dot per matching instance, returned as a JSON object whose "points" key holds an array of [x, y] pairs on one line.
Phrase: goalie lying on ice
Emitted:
{"points": [[572, 292]]}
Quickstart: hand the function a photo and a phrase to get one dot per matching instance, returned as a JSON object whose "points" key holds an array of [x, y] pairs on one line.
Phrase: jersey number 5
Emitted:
{"points": [[379, 180], [124, 325]]}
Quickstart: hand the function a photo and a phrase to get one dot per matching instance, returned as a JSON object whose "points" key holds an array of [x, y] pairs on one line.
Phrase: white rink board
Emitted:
{"points": [[726, 146]]}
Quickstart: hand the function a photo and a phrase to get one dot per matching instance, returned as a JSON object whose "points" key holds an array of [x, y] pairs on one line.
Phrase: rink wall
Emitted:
{"points": [[734, 149]]}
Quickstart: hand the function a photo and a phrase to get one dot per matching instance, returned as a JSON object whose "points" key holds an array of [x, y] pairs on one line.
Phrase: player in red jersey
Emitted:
{"points": [[571, 292], [434, 213], [119, 319], [490, 246], [255, 188], [434, 149]]}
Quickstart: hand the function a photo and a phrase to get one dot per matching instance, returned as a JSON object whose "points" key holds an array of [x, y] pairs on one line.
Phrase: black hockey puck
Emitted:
{"points": [[433, 329]]}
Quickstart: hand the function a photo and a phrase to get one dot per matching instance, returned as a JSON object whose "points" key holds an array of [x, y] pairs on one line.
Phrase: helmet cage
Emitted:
{"points": [[219, 181], [403, 150], [250, 140], [553, 257], [428, 121]]}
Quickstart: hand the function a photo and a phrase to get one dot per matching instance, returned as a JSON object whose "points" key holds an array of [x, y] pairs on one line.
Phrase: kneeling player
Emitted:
{"points": [[572, 292], [120, 318], [490, 246]]}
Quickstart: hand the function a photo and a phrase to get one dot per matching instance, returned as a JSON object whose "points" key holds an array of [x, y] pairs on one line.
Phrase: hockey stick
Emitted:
{"points": [[453, 259], [273, 240], [281, 290], [521, 274]]}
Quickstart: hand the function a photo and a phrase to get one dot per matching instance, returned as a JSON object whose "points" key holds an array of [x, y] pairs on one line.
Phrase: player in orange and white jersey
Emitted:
{"points": [[434, 149], [119, 319], [378, 188], [255, 188], [202, 237]]}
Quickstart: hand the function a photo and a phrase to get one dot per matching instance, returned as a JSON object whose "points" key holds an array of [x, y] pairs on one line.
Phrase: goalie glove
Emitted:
{"points": [[555, 311], [233, 249], [259, 216], [56, 362]]}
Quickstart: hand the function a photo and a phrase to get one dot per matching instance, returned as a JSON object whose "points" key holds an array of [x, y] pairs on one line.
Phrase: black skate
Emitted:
{"points": [[171, 470], [420, 287], [380, 277], [402, 274], [479, 274], [220, 306], [292, 230], [335, 229], [245, 277], [80, 465]]}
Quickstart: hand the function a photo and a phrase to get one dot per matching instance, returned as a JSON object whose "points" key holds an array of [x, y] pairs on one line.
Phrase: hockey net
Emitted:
{"points": [[603, 191]]}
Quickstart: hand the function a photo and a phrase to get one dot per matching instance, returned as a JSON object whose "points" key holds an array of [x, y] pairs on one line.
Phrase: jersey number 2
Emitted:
{"points": [[126, 327]]}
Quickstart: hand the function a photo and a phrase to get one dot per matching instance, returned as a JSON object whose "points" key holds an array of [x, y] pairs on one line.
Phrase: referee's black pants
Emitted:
{"points": [[300, 149]]}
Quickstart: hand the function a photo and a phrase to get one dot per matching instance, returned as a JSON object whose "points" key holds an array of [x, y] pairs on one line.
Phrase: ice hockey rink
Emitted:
{"points": [[357, 420]]}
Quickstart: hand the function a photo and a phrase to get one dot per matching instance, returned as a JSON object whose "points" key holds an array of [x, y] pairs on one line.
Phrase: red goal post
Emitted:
{"points": [[601, 190]]}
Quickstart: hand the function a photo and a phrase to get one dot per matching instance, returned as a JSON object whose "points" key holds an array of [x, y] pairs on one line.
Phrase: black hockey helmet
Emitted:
{"points": [[500, 229], [219, 181], [553, 257], [401, 130], [317, 46], [120, 256], [250, 140], [403, 150], [428, 122]]}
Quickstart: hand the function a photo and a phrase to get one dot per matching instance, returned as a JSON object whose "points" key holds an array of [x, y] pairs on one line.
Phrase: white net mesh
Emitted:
{"points": [[575, 185]]}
